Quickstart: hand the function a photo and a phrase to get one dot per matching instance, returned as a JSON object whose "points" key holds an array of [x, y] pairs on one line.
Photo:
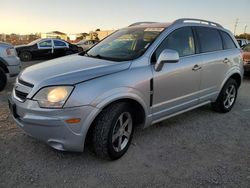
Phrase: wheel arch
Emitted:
{"points": [[137, 106], [3, 65], [237, 78], [236, 75]]}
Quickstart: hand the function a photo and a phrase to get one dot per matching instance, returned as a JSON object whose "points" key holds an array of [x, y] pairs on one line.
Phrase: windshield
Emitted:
{"points": [[125, 44]]}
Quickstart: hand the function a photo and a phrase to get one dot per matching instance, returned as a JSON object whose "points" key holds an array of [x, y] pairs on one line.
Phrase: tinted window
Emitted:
{"points": [[227, 40], [239, 42], [181, 40], [46, 43], [209, 39], [59, 43]]}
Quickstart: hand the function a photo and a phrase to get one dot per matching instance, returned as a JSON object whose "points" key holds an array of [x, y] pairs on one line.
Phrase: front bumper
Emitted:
{"points": [[48, 125], [13, 65]]}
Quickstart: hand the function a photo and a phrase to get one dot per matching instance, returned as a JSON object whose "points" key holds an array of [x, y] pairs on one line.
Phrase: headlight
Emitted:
{"points": [[53, 97]]}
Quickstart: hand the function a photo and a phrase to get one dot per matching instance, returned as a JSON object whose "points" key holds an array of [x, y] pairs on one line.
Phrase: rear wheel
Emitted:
{"points": [[113, 131], [3, 79], [25, 56], [227, 97], [80, 49]]}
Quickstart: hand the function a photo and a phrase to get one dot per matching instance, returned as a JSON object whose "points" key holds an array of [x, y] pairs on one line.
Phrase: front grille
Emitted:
{"points": [[25, 83], [21, 95]]}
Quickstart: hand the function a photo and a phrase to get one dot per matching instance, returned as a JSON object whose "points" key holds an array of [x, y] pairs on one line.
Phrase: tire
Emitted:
{"points": [[227, 97], [3, 79], [25, 56], [109, 139], [80, 49]]}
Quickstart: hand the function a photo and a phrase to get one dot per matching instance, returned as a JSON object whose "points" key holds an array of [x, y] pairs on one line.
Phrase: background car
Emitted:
{"points": [[246, 57], [242, 42], [9, 63], [45, 49], [86, 44]]}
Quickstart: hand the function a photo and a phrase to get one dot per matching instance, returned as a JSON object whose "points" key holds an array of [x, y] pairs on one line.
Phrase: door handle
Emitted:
{"points": [[226, 60], [196, 67]]}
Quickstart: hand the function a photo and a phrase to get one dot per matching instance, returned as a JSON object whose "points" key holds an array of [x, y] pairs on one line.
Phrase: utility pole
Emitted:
{"points": [[245, 28], [235, 25]]}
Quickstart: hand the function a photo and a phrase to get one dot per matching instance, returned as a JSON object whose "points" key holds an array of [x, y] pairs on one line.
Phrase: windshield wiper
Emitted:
{"points": [[95, 56], [98, 56]]}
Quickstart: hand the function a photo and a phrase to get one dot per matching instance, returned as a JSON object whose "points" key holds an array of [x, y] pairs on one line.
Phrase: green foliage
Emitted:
{"points": [[243, 36]]}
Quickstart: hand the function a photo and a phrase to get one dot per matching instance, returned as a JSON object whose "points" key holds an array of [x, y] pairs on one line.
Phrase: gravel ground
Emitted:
{"points": [[200, 148]]}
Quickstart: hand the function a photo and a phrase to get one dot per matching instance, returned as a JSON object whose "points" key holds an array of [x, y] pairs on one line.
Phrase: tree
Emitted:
{"points": [[243, 36]]}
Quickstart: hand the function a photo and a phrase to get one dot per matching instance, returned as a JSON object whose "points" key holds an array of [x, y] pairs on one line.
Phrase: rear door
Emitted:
{"points": [[216, 60], [60, 48]]}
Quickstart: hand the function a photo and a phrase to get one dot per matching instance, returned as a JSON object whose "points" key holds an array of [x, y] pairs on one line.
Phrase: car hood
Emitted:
{"points": [[70, 70], [22, 46]]}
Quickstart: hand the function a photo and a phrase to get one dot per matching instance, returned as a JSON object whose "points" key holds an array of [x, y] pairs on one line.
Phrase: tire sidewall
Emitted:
{"points": [[228, 84], [3, 79], [23, 58], [112, 153]]}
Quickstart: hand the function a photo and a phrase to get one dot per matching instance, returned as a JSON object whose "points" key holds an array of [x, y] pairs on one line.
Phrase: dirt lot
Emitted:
{"points": [[200, 148]]}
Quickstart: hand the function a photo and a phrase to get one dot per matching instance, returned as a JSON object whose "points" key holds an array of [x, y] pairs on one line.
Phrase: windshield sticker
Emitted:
{"points": [[158, 29]]}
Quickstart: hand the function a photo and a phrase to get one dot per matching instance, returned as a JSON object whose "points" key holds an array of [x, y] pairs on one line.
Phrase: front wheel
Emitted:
{"points": [[227, 97], [113, 131], [25, 56]]}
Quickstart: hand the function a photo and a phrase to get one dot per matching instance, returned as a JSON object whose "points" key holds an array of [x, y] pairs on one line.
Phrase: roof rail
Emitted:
{"points": [[141, 23], [193, 20]]}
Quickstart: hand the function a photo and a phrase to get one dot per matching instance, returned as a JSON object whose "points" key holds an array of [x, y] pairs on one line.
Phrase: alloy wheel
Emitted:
{"points": [[230, 96], [122, 131]]}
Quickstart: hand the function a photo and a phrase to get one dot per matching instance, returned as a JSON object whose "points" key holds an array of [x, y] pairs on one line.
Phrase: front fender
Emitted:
{"points": [[111, 96]]}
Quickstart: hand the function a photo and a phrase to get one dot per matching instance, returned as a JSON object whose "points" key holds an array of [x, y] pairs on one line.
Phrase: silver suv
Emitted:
{"points": [[140, 75], [9, 63]]}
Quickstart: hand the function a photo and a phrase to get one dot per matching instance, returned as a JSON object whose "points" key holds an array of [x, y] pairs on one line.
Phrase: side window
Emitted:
{"points": [[59, 43], [209, 39], [45, 44], [181, 40], [239, 42], [227, 40]]}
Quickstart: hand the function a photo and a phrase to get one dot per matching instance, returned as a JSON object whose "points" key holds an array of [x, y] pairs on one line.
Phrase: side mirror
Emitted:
{"points": [[166, 56]]}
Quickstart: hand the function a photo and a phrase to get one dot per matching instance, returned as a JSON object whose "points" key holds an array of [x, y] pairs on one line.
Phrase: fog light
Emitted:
{"points": [[74, 120]]}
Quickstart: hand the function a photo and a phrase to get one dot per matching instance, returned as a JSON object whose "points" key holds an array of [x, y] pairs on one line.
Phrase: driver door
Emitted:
{"points": [[177, 85]]}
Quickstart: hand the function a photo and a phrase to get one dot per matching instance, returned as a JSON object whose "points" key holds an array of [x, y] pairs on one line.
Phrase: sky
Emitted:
{"points": [[77, 16]]}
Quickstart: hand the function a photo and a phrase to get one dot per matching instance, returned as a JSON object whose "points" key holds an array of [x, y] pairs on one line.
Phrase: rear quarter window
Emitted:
{"points": [[59, 43], [227, 41], [209, 39]]}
